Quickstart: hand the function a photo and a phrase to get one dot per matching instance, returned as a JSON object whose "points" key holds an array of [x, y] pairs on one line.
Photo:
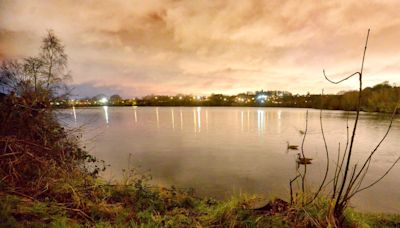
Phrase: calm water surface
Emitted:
{"points": [[223, 150]]}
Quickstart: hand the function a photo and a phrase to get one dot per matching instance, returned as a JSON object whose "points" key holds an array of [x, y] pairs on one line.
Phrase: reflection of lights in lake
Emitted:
{"points": [[198, 118], [157, 119], [279, 120], [135, 115], [105, 108], [173, 118], [260, 121], [181, 119], [73, 110]]}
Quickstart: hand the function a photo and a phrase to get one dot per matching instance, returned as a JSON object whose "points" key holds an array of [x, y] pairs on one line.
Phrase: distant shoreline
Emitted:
{"points": [[220, 106]]}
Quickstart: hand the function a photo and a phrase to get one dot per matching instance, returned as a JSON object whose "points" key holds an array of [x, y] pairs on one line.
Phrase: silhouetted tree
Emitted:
{"points": [[115, 99], [45, 74], [54, 60], [32, 68]]}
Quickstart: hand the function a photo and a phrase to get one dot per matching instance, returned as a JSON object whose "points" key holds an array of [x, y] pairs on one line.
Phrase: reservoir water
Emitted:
{"points": [[220, 151]]}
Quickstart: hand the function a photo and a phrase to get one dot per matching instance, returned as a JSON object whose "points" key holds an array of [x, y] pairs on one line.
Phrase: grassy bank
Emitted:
{"points": [[48, 179], [137, 205]]}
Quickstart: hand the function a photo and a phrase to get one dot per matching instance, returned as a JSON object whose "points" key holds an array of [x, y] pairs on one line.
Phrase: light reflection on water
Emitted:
{"points": [[105, 108], [220, 151], [261, 121], [135, 112], [74, 113], [158, 118]]}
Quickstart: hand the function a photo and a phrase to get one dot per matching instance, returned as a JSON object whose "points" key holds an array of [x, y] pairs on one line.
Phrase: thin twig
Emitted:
{"points": [[326, 150], [303, 178], [337, 173], [344, 155], [291, 187], [376, 181], [304, 135]]}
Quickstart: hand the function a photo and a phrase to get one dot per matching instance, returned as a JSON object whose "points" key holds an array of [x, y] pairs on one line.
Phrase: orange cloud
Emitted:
{"points": [[156, 46]]}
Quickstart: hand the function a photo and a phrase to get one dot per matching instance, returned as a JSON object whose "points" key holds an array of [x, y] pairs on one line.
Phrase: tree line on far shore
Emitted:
{"points": [[382, 97], [379, 98]]}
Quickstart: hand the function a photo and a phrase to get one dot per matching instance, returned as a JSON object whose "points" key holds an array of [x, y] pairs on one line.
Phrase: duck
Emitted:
{"points": [[303, 160], [292, 147]]}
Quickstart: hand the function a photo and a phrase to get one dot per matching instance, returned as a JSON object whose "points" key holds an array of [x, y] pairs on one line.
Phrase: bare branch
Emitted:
{"points": [[344, 155], [326, 150], [339, 203], [303, 178], [337, 173], [349, 187], [340, 81], [365, 50], [304, 136]]}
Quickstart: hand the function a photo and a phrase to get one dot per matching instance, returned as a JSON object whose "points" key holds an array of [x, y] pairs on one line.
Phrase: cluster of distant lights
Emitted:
{"points": [[262, 98], [246, 100], [180, 98], [103, 100]]}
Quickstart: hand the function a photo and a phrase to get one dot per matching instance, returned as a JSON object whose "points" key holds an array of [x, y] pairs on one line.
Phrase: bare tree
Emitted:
{"points": [[54, 60], [46, 74]]}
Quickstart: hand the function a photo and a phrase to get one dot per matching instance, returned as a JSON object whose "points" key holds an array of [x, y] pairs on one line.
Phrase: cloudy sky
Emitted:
{"points": [[141, 47]]}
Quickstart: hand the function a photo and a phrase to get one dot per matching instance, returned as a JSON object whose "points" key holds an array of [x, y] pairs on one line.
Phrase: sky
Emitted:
{"points": [[135, 48]]}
